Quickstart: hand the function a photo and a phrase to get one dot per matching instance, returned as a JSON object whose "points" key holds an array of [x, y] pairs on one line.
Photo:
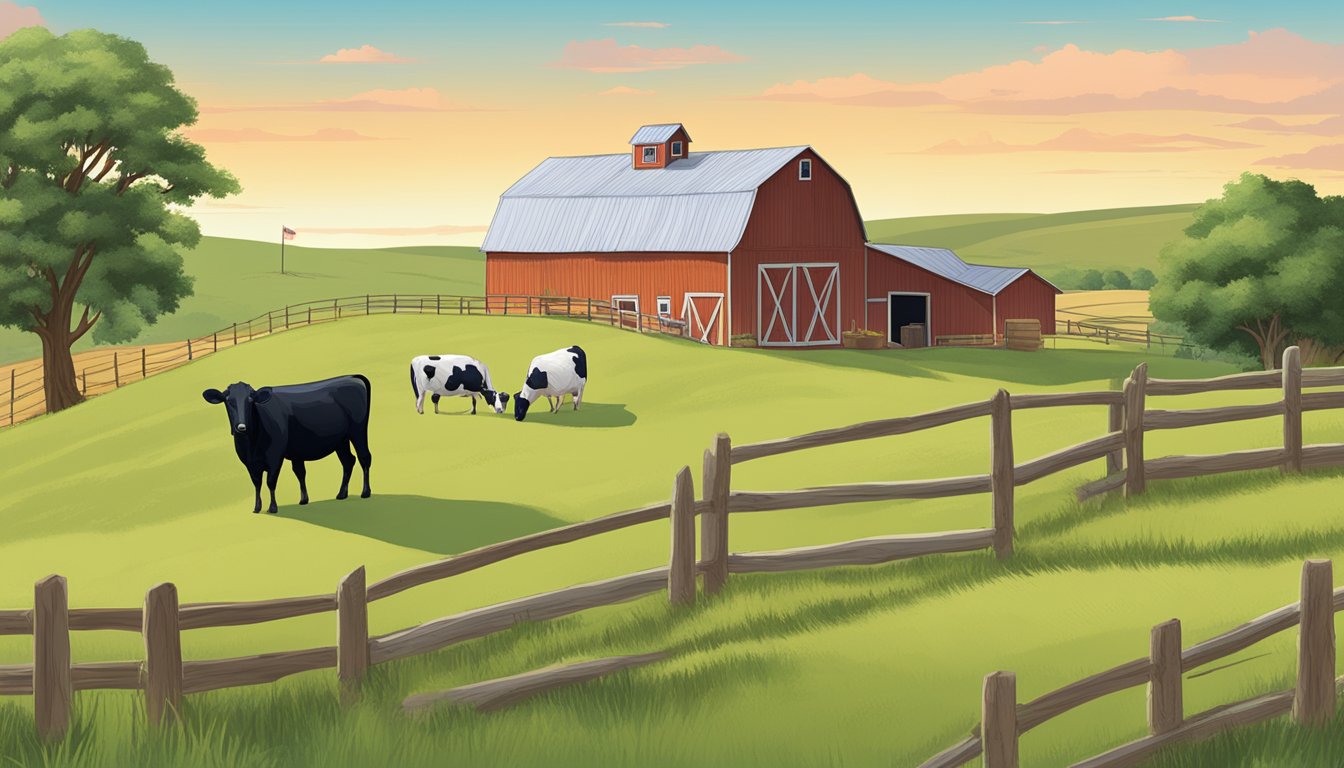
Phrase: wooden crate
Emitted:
{"points": [[1023, 335], [912, 335]]}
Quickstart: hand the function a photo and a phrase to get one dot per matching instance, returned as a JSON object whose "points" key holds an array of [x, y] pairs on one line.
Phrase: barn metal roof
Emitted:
{"points": [[656, 134], [945, 263], [601, 203]]}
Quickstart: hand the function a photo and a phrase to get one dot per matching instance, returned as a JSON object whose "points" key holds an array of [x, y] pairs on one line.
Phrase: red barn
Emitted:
{"points": [[766, 242]]}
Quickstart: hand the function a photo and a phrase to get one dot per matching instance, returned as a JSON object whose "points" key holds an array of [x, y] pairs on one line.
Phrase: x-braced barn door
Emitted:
{"points": [[702, 313], [798, 305]]}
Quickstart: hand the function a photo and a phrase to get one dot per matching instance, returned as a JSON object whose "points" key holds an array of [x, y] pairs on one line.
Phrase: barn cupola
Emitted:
{"points": [[658, 146]]}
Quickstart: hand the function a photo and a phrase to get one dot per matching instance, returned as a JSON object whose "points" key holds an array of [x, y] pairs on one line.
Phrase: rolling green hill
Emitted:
{"points": [[1050, 243], [239, 279], [858, 666]]}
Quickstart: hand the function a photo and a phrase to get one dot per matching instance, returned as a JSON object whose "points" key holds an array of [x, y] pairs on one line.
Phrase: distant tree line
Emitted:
{"points": [[1070, 279]]}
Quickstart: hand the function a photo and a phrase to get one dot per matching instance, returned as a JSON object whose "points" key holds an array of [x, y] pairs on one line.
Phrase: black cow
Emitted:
{"points": [[299, 422]]}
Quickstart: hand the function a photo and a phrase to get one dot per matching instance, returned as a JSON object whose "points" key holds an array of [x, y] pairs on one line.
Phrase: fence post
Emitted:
{"points": [[83, 385], [116, 369], [1135, 386], [163, 653], [1001, 472], [352, 642], [1165, 705], [270, 323], [1147, 337], [310, 316], [998, 720], [144, 365], [1314, 698], [286, 317], [235, 334], [438, 304], [11, 395], [681, 569], [714, 522], [190, 357], [51, 657], [1115, 422], [590, 309], [1292, 410]]}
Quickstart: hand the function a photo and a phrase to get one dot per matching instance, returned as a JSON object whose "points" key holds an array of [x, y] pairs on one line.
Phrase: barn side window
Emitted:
{"points": [[676, 149], [665, 305], [804, 170], [650, 154]]}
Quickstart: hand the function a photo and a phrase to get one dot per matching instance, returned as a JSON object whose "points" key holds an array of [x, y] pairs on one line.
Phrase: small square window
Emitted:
{"points": [[804, 170], [650, 154], [665, 306], [676, 149]]}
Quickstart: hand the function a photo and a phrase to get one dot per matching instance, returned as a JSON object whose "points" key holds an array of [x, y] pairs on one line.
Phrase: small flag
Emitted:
{"points": [[289, 233]]}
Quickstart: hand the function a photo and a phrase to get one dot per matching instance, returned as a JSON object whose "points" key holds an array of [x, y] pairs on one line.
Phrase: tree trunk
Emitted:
{"points": [[58, 369]]}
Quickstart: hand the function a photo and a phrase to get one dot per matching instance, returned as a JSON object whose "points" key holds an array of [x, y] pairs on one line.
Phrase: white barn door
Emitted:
{"points": [[798, 305], [702, 313]]}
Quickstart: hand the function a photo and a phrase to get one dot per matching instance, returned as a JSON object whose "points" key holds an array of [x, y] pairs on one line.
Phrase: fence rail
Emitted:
{"points": [[165, 677], [1105, 333], [102, 370]]}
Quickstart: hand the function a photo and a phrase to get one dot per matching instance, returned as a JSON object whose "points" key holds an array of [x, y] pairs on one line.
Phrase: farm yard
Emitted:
{"points": [[857, 666]]}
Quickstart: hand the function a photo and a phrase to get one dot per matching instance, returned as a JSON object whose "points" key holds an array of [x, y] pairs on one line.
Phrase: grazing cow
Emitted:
{"points": [[299, 422], [559, 373], [453, 376]]}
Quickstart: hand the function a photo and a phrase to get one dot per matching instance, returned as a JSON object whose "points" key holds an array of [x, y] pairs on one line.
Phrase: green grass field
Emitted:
{"points": [[1050, 243], [239, 279], [853, 666]]}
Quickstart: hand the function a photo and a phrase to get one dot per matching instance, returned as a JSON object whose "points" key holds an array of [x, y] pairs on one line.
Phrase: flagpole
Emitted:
{"points": [[282, 249]]}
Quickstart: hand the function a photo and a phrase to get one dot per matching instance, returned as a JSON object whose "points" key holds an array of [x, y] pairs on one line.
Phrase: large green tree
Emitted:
{"points": [[93, 174], [1260, 267]]}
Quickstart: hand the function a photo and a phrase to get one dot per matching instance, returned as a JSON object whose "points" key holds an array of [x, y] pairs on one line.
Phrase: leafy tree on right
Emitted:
{"points": [[1261, 267]]}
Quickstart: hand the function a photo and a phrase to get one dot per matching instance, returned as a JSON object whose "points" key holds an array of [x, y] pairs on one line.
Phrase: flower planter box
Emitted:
{"points": [[862, 341]]}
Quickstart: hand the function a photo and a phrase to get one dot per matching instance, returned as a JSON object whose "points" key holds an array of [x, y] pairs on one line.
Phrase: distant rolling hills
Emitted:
{"points": [[239, 279]]}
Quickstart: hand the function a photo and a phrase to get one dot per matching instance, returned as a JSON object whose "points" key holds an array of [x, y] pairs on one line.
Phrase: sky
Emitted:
{"points": [[398, 123]]}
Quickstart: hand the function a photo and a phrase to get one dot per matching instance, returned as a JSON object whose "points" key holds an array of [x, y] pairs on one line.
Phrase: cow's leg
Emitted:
{"points": [[360, 439], [301, 472], [473, 403], [273, 477], [420, 403], [347, 466], [436, 403], [578, 397], [255, 474]]}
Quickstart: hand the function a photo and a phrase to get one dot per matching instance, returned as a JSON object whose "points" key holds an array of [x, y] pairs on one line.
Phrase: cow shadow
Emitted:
{"points": [[590, 415], [440, 526]]}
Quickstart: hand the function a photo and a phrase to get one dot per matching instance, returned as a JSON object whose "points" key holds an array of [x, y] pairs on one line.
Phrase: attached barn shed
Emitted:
{"points": [[766, 242]]}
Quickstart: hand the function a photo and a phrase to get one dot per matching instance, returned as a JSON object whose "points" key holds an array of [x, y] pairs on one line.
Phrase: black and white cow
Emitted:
{"points": [[553, 375], [299, 422], [453, 376]]}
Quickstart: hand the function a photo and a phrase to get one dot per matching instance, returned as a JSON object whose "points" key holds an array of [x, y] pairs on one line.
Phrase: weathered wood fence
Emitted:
{"points": [[1311, 701], [103, 370], [165, 676]]}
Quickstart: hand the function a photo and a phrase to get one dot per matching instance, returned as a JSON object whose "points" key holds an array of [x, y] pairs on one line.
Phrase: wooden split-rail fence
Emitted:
{"points": [[165, 676], [1311, 701], [101, 370]]}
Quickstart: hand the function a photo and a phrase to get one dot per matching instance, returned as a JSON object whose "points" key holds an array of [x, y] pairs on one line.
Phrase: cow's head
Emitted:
{"points": [[496, 400], [240, 401], [520, 406]]}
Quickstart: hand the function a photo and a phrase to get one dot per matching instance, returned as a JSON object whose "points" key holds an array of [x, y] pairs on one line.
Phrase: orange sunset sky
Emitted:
{"points": [[363, 125]]}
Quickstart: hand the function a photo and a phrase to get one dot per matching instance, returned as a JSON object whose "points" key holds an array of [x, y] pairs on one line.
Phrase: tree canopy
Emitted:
{"points": [[93, 174], [1258, 268]]}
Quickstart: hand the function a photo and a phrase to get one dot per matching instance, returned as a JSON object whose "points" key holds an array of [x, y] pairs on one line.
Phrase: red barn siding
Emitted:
{"points": [[603, 275], [954, 309], [795, 221], [1028, 297]]}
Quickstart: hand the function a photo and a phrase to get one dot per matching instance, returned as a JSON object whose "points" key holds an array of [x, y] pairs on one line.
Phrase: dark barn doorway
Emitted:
{"points": [[905, 309]]}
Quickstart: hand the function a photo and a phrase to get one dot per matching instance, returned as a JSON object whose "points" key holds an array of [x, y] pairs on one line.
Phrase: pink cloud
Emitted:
{"points": [[1329, 157], [378, 100], [625, 90], [14, 17], [640, 24], [227, 136], [1185, 18], [1082, 140], [1331, 126], [608, 56], [365, 54]]}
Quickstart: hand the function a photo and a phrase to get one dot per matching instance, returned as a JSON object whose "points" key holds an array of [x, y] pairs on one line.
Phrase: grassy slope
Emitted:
{"points": [[240, 279], [1116, 238], [843, 667]]}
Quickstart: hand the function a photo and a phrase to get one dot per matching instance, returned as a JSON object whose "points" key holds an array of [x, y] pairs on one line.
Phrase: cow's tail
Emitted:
{"points": [[415, 388], [368, 391]]}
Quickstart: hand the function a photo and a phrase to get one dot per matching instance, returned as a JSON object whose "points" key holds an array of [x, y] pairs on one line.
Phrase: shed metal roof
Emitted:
{"points": [[601, 203], [656, 134], [945, 263]]}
